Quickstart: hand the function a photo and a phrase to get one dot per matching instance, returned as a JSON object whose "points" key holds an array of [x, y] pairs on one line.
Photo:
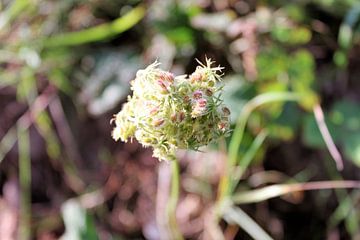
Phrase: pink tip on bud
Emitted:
{"points": [[154, 110], [222, 126], [196, 77], [186, 99], [158, 122], [162, 85], [202, 102], [181, 116], [166, 76], [226, 111], [173, 117], [197, 94], [208, 92]]}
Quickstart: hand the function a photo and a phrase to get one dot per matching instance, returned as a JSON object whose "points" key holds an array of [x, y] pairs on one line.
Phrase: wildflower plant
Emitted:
{"points": [[168, 112]]}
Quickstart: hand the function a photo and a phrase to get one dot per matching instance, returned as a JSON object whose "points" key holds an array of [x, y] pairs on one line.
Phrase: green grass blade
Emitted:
{"points": [[25, 182], [276, 190], [238, 216], [249, 156], [245, 114], [97, 33], [12, 12]]}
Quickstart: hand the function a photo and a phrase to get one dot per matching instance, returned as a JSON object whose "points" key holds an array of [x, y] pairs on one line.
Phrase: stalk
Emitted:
{"points": [[173, 200]]}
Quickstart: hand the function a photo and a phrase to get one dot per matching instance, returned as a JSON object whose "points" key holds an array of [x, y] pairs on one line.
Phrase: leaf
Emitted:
{"points": [[346, 28], [97, 33]]}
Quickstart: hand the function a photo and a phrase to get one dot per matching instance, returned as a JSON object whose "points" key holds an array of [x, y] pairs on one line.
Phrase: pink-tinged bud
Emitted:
{"points": [[173, 117], [222, 126], [162, 85], [154, 110], [158, 122], [169, 77], [186, 99], [196, 77], [202, 102], [197, 94], [226, 111], [208, 92], [181, 116], [166, 76]]}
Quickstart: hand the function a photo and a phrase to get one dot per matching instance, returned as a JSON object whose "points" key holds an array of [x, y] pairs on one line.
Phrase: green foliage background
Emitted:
{"points": [[65, 63]]}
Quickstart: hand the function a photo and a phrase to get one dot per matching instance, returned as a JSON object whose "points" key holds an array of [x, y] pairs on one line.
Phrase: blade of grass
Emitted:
{"points": [[25, 181], [226, 184], [12, 12], [248, 157], [245, 114], [277, 190], [334, 152], [40, 103], [97, 33], [238, 216], [347, 202]]}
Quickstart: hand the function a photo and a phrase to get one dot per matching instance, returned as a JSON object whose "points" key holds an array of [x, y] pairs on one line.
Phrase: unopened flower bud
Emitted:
{"points": [[202, 102], [158, 122], [196, 77], [197, 94], [154, 110], [181, 116], [222, 126], [162, 86], [208, 92], [173, 117], [226, 111]]}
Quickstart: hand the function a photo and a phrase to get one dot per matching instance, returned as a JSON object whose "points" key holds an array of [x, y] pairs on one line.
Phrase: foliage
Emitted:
{"points": [[66, 66]]}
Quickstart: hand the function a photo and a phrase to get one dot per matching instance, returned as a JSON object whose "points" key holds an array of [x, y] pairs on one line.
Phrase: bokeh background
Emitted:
{"points": [[65, 68]]}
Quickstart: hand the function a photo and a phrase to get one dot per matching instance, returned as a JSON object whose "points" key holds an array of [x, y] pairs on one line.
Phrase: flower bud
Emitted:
{"points": [[208, 92], [196, 77], [162, 86], [226, 111], [197, 94], [158, 122], [202, 102]]}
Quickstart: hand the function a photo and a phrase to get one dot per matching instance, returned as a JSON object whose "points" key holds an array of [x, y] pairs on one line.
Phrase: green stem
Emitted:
{"points": [[25, 183], [97, 33], [173, 200], [242, 121]]}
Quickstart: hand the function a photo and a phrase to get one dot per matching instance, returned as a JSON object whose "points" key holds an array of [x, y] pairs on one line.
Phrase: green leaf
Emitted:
{"points": [[97, 33]]}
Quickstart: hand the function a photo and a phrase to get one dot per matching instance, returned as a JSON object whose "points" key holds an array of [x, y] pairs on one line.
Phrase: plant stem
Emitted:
{"points": [[25, 183], [226, 182], [173, 200]]}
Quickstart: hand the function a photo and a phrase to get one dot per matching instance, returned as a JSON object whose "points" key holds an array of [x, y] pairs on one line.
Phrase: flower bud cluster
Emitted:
{"points": [[168, 113]]}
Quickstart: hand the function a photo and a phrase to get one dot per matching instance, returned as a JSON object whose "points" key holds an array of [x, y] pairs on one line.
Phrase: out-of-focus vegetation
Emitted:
{"points": [[65, 68]]}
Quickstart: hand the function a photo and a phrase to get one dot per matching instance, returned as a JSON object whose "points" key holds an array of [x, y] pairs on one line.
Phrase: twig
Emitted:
{"points": [[40, 103], [334, 152]]}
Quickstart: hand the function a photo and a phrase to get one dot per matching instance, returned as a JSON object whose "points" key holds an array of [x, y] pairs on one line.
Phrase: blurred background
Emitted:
{"points": [[65, 68]]}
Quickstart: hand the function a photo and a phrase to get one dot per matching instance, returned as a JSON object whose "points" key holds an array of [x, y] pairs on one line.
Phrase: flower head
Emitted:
{"points": [[169, 113]]}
